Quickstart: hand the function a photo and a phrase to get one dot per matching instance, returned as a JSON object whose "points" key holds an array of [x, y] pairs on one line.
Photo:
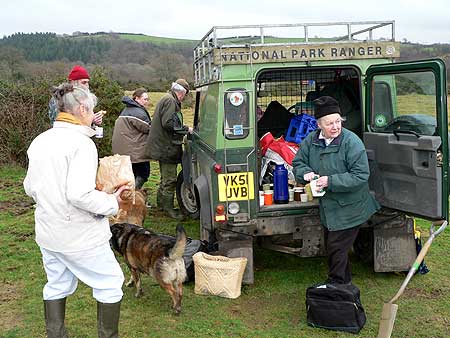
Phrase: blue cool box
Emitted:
{"points": [[299, 127]]}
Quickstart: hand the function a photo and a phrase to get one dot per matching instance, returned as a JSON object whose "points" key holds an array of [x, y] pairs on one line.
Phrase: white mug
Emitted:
{"points": [[98, 132]]}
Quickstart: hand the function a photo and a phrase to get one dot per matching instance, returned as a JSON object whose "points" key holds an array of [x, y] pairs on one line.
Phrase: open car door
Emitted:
{"points": [[406, 136]]}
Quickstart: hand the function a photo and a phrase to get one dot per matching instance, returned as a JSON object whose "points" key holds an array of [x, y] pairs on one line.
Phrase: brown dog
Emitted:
{"points": [[147, 252], [133, 213]]}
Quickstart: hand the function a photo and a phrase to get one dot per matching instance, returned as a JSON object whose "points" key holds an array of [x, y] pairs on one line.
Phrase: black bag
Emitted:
{"points": [[335, 307], [192, 247]]}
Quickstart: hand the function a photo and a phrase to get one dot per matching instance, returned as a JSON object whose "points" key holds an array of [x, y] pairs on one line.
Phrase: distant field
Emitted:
{"points": [[148, 38]]}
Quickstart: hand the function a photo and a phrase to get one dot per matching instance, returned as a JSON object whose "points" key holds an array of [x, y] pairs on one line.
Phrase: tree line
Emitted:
{"points": [[130, 63]]}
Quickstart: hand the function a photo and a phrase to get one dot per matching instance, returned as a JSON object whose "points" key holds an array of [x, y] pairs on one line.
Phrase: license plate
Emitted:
{"points": [[236, 187]]}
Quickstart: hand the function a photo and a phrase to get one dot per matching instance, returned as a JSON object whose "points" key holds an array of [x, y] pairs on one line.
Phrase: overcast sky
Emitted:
{"points": [[424, 21]]}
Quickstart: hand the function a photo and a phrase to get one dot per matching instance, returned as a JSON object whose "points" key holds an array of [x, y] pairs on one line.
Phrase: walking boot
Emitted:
{"points": [[108, 319], [167, 204], [55, 311], [159, 198]]}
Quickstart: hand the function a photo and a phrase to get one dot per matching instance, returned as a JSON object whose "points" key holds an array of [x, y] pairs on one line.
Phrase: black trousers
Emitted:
{"points": [[338, 244], [141, 169]]}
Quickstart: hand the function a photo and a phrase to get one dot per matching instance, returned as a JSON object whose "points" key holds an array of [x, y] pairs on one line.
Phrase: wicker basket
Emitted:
{"points": [[218, 275]]}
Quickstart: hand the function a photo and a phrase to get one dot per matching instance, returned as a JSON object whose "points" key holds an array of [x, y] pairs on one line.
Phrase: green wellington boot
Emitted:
{"points": [[55, 311], [167, 204], [108, 319], [159, 203]]}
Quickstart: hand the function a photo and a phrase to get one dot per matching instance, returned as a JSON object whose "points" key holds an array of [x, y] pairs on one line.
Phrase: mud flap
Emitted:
{"points": [[394, 246], [233, 245]]}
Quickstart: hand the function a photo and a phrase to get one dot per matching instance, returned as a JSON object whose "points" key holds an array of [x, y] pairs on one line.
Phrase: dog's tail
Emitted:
{"points": [[178, 249]]}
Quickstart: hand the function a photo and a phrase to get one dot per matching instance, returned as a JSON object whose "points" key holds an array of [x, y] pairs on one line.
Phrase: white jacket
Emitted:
{"points": [[61, 179]]}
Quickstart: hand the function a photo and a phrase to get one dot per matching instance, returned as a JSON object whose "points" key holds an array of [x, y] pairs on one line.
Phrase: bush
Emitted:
{"points": [[23, 116], [24, 107]]}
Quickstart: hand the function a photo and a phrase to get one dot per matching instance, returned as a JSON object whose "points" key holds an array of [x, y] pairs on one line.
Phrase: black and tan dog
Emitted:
{"points": [[147, 252]]}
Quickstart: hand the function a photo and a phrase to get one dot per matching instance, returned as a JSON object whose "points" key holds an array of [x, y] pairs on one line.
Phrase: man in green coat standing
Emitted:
{"points": [[336, 158], [164, 143]]}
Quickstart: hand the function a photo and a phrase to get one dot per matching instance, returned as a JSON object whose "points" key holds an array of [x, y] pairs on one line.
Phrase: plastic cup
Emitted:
{"points": [[261, 198], [303, 198], [268, 197], [291, 195]]}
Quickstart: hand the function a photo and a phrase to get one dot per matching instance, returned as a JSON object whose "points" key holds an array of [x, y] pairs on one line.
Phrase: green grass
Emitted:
{"points": [[154, 39], [158, 40], [272, 307]]}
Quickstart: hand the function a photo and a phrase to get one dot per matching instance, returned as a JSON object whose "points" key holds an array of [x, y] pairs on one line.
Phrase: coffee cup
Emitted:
{"points": [[261, 198], [98, 132], [268, 197], [291, 195]]}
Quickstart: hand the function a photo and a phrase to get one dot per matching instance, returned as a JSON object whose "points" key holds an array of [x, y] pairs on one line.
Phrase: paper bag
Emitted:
{"points": [[114, 171]]}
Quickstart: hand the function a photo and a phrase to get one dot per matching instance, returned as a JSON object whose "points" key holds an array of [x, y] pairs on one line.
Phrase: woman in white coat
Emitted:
{"points": [[71, 226]]}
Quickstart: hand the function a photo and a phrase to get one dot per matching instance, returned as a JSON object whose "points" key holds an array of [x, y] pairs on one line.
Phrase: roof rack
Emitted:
{"points": [[257, 35]]}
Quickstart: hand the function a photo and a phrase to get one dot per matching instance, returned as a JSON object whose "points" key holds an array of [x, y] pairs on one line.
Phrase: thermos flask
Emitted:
{"points": [[280, 185]]}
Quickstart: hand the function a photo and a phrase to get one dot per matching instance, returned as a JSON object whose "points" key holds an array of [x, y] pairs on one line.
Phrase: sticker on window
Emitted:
{"points": [[380, 120], [238, 130], [236, 99]]}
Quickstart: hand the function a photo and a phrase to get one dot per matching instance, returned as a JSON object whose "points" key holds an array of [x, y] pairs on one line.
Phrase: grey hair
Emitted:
{"points": [[176, 87], [70, 98]]}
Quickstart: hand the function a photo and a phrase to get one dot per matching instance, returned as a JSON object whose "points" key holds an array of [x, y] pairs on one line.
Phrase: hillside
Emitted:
{"points": [[131, 59]]}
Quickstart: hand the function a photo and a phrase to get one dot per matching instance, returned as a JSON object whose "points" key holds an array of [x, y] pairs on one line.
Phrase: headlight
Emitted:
{"points": [[233, 208]]}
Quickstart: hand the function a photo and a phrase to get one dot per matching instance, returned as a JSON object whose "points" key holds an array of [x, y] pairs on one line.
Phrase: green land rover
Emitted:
{"points": [[254, 79]]}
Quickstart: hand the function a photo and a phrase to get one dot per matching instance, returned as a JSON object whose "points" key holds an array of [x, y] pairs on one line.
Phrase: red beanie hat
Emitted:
{"points": [[78, 73]]}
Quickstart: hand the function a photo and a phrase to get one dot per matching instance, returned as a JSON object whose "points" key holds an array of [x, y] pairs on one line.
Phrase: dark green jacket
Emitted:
{"points": [[167, 130], [347, 202]]}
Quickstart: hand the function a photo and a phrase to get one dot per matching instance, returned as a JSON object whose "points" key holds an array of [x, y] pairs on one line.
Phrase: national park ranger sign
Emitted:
{"points": [[310, 52]]}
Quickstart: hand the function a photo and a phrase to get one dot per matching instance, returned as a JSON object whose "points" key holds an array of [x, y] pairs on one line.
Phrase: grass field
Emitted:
{"points": [[157, 40], [271, 308], [154, 39]]}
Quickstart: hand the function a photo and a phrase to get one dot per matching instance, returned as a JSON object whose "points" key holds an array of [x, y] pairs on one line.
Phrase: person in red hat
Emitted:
{"points": [[78, 77]]}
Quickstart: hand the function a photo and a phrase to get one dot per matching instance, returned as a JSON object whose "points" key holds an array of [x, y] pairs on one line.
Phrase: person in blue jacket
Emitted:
{"points": [[337, 159]]}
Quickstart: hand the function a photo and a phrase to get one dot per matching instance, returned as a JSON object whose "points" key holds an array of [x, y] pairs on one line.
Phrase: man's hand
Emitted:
{"points": [[309, 176], [98, 117], [322, 183]]}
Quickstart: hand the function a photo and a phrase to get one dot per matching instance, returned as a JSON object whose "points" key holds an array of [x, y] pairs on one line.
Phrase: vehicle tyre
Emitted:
{"points": [[186, 198]]}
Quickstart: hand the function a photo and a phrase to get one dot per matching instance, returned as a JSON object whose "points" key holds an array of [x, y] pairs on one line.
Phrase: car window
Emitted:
{"points": [[404, 101], [236, 107]]}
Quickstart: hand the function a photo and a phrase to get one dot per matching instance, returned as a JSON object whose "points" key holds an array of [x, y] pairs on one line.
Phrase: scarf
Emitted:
{"points": [[69, 118]]}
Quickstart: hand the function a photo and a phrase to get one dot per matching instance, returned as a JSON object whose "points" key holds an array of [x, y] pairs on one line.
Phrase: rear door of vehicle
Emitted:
{"points": [[406, 136]]}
